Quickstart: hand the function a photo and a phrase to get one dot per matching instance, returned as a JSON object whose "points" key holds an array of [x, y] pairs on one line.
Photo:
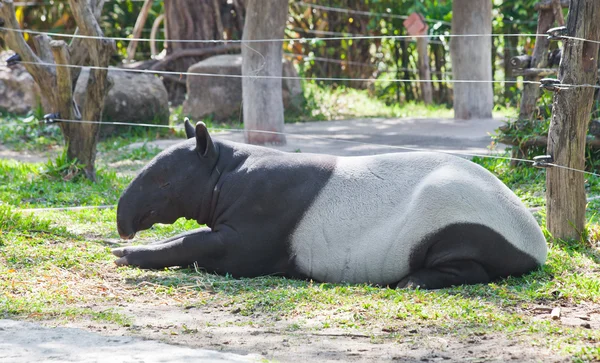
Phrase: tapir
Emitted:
{"points": [[418, 219]]}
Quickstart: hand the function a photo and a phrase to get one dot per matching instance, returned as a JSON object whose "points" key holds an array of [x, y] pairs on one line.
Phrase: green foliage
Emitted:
{"points": [[63, 168], [25, 185], [522, 131], [25, 133], [12, 220], [323, 102]]}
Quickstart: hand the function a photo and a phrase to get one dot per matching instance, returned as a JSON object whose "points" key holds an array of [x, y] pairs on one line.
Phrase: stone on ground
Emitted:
{"points": [[221, 97], [134, 97], [18, 91]]}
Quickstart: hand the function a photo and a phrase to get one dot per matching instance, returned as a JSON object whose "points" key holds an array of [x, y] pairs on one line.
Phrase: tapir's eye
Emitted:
{"points": [[166, 185]]}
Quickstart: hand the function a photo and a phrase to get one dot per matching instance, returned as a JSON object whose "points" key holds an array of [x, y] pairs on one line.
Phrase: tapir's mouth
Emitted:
{"points": [[125, 235]]}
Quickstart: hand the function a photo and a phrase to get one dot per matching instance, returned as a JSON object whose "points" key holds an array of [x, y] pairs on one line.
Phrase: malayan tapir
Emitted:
{"points": [[403, 219]]}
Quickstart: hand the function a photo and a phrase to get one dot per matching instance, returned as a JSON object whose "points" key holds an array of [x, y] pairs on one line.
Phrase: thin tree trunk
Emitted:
{"points": [[531, 92], [187, 19], [565, 190], [509, 44], [408, 93], [471, 58], [424, 70], [262, 97], [440, 68]]}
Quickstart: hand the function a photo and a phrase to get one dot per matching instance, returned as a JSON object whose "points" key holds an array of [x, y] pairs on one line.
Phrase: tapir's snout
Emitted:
{"points": [[125, 234]]}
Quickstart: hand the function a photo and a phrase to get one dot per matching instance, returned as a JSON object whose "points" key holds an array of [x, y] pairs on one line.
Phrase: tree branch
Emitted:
{"points": [[42, 45], [194, 52], [138, 27], [15, 41], [547, 5], [64, 90]]}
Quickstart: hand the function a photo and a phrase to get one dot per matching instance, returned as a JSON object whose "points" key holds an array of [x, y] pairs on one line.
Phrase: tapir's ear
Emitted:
{"points": [[204, 144], [190, 131]]}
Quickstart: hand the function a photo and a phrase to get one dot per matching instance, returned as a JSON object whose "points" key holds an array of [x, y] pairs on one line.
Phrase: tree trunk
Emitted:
{"points": [[424, 70], [57, 83], [440, 68], [531, 92], [187, 19], [565, 190], [408, 93], [262, 97], [471, 58]]}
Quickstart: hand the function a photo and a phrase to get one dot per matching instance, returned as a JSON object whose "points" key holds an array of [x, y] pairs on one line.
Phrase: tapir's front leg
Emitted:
{"points": [[183, 250]]}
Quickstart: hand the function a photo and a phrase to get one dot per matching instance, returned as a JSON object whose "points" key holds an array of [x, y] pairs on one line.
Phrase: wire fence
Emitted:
{"points": [[326, 79], [279, 40], [325, 138]]}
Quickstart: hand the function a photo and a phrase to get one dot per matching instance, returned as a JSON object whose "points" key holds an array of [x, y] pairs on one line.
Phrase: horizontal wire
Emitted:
{"points": [[56, 2], [306, 136], [333, 79], [314, 137], [581, 39], [361, 37], [347, 35], [367, 13], [83, 207], [317, 137]]}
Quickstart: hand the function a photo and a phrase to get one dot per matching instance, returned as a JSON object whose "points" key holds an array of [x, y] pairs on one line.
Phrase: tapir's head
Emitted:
{"points": [[173, 185]]}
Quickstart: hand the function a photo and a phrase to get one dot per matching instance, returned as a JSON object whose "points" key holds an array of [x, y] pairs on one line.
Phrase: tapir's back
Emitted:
{"points": [[376, 212]]}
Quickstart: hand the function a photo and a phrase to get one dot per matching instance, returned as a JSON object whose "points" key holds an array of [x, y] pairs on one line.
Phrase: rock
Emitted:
{"points": [[222, 96], [555, 314], [134, 97], [18, 91]]}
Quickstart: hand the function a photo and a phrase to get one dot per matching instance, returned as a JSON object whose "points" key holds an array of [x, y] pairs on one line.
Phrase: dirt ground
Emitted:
{"points": [[212, 329], [170, 333]]}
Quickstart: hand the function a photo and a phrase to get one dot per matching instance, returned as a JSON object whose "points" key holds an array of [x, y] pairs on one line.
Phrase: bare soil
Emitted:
{"points": [[298, 339]]}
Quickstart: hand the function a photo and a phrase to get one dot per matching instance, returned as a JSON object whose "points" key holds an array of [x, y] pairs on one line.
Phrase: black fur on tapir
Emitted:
{"points": [[406, 219]]}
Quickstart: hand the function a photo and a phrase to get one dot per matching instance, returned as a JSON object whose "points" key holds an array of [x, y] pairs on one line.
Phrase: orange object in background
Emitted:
{"points": [[415, 24]]}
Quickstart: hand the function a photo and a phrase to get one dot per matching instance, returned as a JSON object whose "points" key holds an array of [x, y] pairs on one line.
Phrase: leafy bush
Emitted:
{"points": [[63, 168]]}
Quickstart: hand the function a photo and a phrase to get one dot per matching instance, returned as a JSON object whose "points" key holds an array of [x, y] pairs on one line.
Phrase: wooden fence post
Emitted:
{"points": [[565, 193]]}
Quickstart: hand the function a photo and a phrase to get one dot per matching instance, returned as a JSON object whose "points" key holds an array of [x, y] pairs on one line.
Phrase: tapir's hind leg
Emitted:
{"points": [[464, 254], [445, 275]]}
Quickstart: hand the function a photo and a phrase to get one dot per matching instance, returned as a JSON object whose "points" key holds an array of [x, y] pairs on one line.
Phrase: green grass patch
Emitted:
{"points": [[25, 185], [56, 264]]}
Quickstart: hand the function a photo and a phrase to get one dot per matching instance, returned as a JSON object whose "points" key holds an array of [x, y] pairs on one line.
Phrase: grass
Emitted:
{"points": [[53, 265], [324, 103], [57, 264]]}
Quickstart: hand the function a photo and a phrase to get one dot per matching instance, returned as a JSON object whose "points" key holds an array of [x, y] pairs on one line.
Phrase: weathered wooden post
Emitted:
{"points": [[565, 193], [471, 59], [262, 97]]}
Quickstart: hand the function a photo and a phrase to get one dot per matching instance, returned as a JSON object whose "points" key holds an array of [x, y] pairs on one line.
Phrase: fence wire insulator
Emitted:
{"points": [[557, 33], [552, 84], [543, 161], [51, 118], [13, 60]]}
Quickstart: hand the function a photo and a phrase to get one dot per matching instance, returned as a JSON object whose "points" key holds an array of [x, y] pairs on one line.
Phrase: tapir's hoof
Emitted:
{"points": [[122, 253], [122, 262], [410, 283], [119, 252]]}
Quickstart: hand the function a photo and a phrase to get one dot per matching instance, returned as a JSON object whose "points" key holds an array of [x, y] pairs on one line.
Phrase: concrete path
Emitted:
{"points": [[369, 136], [29, 342]]}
